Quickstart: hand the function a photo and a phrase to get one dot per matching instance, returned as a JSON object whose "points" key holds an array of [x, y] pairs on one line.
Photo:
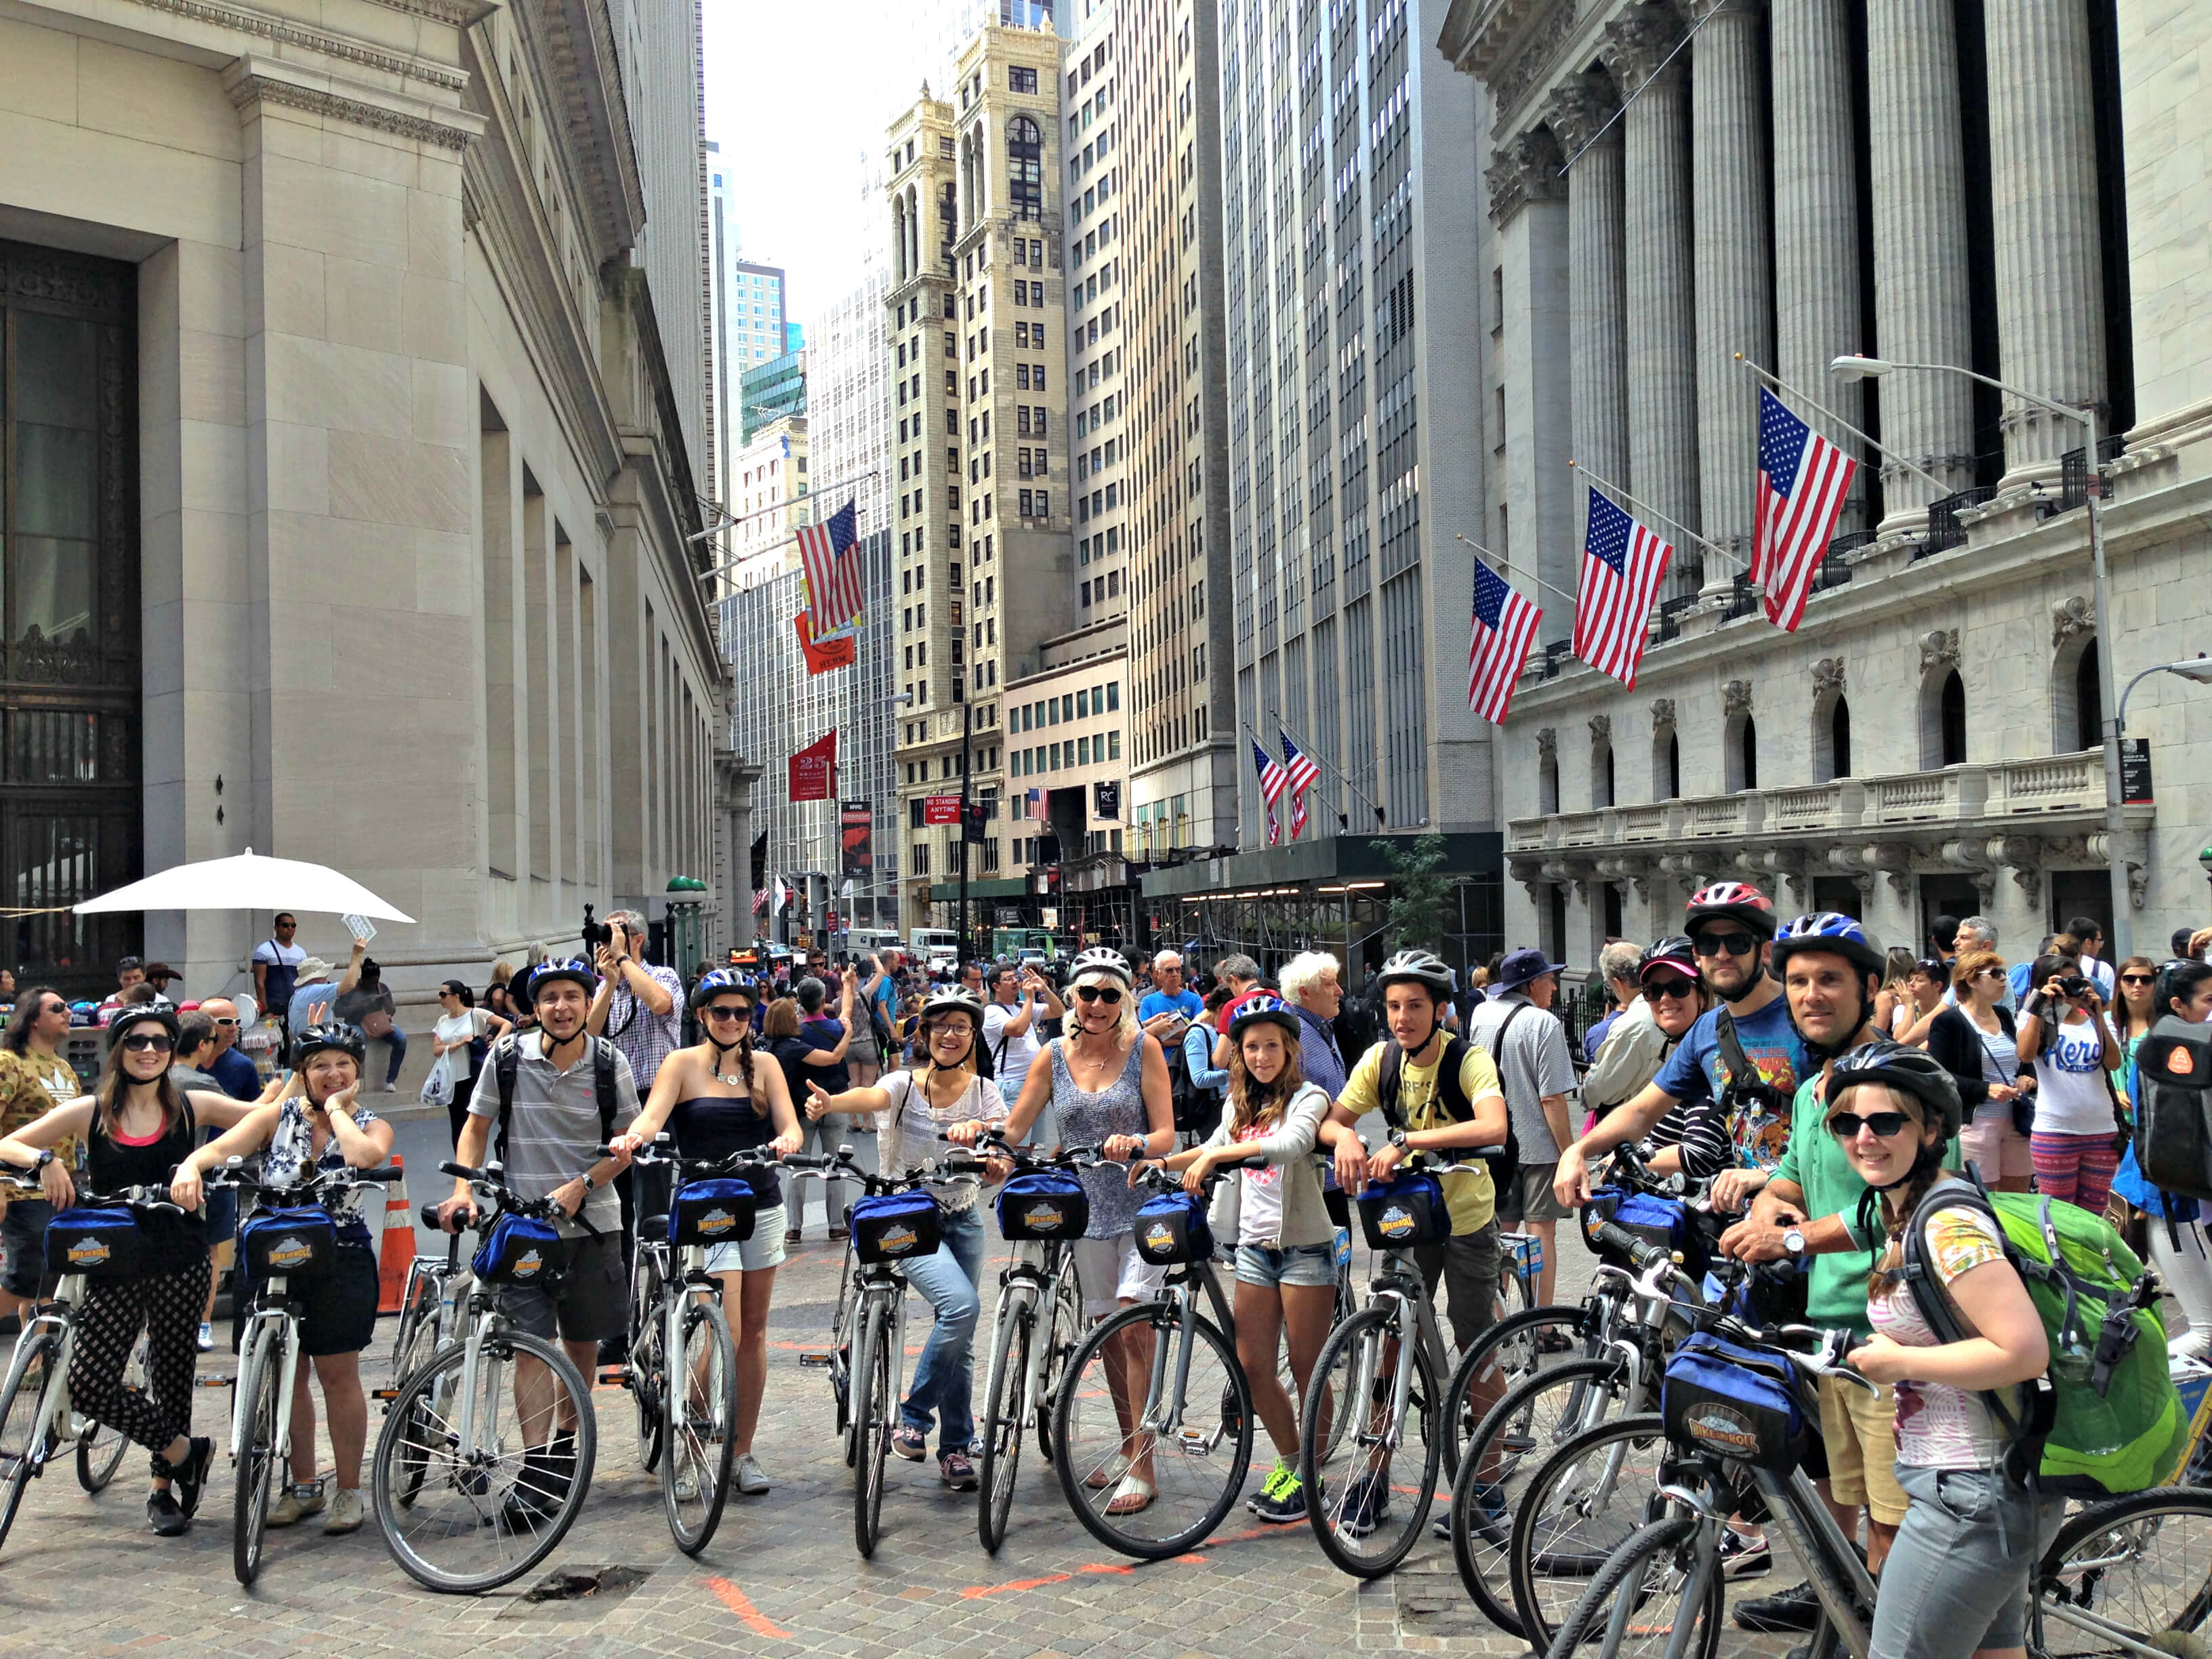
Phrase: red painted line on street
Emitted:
{"points": [[976, 1592], [1105, 1566], [734, 1599]]}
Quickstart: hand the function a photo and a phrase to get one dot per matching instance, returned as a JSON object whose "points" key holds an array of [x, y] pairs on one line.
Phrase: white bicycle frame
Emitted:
{"points": [[54, 1400], [278, 1324], [1018, 1288]]}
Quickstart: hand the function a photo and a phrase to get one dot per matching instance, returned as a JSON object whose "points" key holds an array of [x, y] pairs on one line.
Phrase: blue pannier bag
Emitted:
{"points": [[896, 1227], [1406, 1211], [1046, 1204], [292, 1243], [716, 1211], [101, 1242], [1739, 1402], [520, 1250], [1171, 1229]]}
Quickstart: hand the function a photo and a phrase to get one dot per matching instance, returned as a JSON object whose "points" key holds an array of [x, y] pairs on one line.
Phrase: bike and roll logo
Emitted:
{"points": [[715, 1222], [89, 1252], [528, 1265], [1159, 1235], [291, 1251], [1722, 1427], [1396, 1221], [898, 1239], [1044, 1216]]}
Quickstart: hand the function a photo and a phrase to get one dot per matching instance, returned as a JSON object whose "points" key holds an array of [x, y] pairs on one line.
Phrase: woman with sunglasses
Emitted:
{"points": [[1974, 1039], [462, 1025], [1672, 998], [947, 1093], [2179, 1247], [718, 1097], [136, 1127], [2135, 983], [1108, 1084]]}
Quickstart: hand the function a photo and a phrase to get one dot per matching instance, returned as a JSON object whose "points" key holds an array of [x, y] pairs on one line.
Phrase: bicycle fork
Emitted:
{"points": [[53, 1396], [269, 1326]]}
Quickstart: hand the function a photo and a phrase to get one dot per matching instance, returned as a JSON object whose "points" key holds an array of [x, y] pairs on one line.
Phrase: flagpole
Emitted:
{"points": [[1875, 444], [1506, 575], [1646, 507], [1344, 824]]}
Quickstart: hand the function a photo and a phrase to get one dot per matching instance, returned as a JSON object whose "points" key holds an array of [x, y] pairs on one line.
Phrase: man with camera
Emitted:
{"points": [[638, 1007], [1021, 1001]]}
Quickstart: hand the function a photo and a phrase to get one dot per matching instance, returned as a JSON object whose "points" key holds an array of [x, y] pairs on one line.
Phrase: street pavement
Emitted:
{"points": [[84, 1577]]}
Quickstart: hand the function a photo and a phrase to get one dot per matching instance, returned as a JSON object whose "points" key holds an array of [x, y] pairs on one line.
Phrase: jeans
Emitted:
{"points": [[945, 1380], [397, 1039]]}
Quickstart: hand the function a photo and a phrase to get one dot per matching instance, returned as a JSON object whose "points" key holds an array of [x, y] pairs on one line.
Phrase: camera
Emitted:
{"points": [[596, 933], [2074, 984]]}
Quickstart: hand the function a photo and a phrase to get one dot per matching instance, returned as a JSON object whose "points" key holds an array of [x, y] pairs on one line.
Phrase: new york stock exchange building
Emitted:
{"points": [[351, 369], [2013, 188]]}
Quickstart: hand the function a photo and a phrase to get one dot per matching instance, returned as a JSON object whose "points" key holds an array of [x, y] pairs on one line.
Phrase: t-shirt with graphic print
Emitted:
{"points": [[1938, 1426], [1696, 1074]]}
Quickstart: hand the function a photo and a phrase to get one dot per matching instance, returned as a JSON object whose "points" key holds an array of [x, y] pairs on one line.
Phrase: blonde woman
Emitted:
{"points": [[1893, 995]]}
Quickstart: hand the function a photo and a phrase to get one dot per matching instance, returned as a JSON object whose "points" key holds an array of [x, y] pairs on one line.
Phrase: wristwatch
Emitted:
{"points": [[1793, 1242], [46, 1156], [590, 1185], [1398, 1137]]}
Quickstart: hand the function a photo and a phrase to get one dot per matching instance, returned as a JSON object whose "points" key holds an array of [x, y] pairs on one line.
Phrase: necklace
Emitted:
{"points": [[731, 1080]]}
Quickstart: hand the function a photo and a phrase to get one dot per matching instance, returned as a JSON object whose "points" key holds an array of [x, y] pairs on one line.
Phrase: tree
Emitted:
{"points": [[1422, 907]]}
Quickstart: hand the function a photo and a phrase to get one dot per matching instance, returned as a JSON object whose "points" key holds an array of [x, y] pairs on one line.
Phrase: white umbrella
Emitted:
{"points": [[247, 883]]}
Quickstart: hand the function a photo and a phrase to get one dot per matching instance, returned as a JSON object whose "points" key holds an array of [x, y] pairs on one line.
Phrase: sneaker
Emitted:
{"points": [[346, 1512], [207, 1337], [687, 1489], [1283, 1501], [191, 1475], [1365, 1506], [1489, 1502], [958, 1471], [752, 1482], [912, 1444], [164, 1516], [1744, 1557], [297, 1504], [1794, 1608], [1273, 1485]]}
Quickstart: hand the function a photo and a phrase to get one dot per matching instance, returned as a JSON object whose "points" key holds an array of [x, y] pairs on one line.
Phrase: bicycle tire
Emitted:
{"points": [[1625, 1568], [1003, 1424], [1511, 1344], [707, 1460], [260, 1380], [873, 1418], [1061, 1337], [647, 1370], [1363, 1337], [2082, 1565], [1226, 1405], [1545, 1553], [421, 1317], [100, 1449], [484, 1512], [17, 1464], [1515, 1438]]}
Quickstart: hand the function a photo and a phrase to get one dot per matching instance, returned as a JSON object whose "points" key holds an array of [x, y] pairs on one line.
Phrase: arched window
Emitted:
{"points": [[2088, 700], [1747, 755], [1025, 168], [1952, 714], [1666, 764], [1601, 772], [1840, 739], [1547, 784]]}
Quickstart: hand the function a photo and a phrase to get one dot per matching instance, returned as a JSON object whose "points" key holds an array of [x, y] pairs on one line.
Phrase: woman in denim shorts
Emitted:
{"points": [[1286, 1241]]}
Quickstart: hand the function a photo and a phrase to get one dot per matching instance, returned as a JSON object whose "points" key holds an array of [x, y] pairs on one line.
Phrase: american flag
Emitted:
{"points": [[832, 566], [1299, 768], [1623, 561], [1504, 625], [1802, 481], [1272, 779]]}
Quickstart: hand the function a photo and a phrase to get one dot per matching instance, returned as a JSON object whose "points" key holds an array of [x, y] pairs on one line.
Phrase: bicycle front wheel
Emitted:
{"points": [[1509, 1353], [701, 1419], [29, 1373], [1658, 1580], [1368, 1488], [1583, 1502], [260, 1385], [468, 1511], [1060, 1339], [875, 1414], [1149, 1469], [100, 1448], [1003, 1426], [2138, 1567]]}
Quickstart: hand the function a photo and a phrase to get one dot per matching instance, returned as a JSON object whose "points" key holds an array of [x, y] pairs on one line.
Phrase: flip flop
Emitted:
{"points": [[1133, 1486]]}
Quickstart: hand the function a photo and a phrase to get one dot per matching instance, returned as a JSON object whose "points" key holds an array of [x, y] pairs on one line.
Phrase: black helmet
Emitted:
{"points": [[1264, 1006], [557, 968], [337, 1034], [1732, 901], [138, 1013], [1915, 1071], [1423, 968], [1834, 932], [1673, 951], [712, 983]]}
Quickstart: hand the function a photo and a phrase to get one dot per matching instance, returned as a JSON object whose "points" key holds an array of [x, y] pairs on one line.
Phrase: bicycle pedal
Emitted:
{"points": [[384, 1393], [815, 1361], [614, 1374], [214, 1382]]}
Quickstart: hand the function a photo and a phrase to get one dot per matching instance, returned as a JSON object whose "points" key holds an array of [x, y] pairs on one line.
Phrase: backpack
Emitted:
{"points": [[1504, 1165], [507, 1061], [2105, 1420], [1196, 1110], [2173, 1129]]}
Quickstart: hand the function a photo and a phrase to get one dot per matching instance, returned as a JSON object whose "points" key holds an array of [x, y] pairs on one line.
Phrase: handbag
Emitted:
{"points": [[376, 1024]]}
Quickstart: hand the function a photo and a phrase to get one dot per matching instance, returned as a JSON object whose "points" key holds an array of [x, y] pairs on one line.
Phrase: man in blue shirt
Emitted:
{"points": [[1169, 1007], [233, 1072]]}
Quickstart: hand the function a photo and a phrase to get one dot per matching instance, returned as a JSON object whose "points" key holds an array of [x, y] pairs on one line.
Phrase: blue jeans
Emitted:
{"points": [[945, 1380], [397, 1039]]}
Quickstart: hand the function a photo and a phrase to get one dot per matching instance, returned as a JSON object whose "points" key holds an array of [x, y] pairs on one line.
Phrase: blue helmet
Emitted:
{"points": [[1264, 1004], [557, 968], [712, 983], [1829, 930]]}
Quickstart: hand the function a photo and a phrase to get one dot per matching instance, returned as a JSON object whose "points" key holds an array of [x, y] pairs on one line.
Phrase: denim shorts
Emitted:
{"points": [[1313, 1265], [1956, 1579], [765, 1248]]}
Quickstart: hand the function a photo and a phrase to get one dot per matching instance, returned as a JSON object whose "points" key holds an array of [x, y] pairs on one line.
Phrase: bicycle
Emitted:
{"points": [[291, 1236], [99, 1447], [430, 1309], [35, 1418], [487, 1450], [676, 1309], [1037, 1323]]}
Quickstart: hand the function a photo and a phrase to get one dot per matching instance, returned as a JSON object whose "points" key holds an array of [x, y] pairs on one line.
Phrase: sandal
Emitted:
{"points": [[1132, 1497], [1109, 1473]]}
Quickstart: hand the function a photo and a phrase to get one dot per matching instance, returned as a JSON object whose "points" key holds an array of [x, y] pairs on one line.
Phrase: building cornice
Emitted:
{"points": [[245, 20], [456, 14], [253, 80], [578, 42]]}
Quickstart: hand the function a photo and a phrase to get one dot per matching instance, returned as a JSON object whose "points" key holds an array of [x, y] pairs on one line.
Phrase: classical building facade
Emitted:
{"points": [[358, 350], [1996, 189]]}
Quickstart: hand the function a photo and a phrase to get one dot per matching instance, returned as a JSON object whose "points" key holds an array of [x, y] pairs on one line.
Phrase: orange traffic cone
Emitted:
{"points": [[395, 1251]]}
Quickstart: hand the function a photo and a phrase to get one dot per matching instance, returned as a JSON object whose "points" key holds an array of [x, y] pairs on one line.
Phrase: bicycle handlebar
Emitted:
{"points": [[489, 1182]]}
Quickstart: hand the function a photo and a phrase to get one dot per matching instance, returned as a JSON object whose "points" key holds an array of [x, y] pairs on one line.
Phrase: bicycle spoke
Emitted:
{"points": [[2141, 1566]]}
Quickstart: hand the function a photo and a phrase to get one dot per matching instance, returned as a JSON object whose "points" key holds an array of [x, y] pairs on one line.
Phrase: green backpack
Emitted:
{"points": [[2105, 1418]]}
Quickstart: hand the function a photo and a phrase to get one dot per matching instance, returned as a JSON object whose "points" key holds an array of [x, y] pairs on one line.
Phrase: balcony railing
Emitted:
{"points": [[2074, 468], [1944, 530]]}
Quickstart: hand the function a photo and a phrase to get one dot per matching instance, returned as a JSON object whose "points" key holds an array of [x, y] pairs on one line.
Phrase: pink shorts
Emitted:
{"points": [[1992, 1146]]}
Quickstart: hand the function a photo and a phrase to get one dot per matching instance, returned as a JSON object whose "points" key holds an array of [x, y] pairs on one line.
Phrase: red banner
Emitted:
{"points": [[814, 770], [940, 809], [827, 654]]}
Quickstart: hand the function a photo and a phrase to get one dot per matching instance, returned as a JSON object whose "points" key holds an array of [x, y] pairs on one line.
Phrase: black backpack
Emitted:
{"points": [[1197, 1110], [507, 1061], [1504, 1165]]}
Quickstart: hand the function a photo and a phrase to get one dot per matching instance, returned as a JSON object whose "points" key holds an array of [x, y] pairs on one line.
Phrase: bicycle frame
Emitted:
{"points": [[58, 1317], [274, 1320], [1184, 1285]]}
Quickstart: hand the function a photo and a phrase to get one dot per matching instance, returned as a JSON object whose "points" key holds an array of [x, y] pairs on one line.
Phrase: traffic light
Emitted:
{"points": [[972, 819]]}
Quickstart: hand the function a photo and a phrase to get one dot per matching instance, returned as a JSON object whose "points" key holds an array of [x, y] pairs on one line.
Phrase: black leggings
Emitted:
{"points": [[457, 1108], [168, 1306]]}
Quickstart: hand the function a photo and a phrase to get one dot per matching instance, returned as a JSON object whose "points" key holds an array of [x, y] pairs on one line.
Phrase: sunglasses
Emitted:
{"points": [[1681, 989], [219, 1020], [2138, 979], [1999, 972], [1884, 1124], [140, 1042], [1724, 945], [728, 1011], [1105, 993]]}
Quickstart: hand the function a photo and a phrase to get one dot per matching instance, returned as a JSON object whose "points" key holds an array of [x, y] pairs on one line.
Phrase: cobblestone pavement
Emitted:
{"points": [[84, 1577]]}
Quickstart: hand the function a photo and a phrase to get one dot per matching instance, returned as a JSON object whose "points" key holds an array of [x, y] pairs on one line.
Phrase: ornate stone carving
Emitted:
{"points": [[1662, 714], [457, 12], [1548, 742], [248, 21], [1509, 85], [1939, 649], [1635, 48], [1828, 675], [1578, 112], [2071, 616], [1601, 728], [1735, 696], [1527, 168], [250, 89]]}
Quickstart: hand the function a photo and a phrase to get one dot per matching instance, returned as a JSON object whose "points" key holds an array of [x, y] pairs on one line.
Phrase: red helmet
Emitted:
{"points": [[1734, 901]]}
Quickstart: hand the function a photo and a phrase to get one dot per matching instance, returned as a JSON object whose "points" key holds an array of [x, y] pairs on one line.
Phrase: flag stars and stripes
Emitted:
{"points": [[1504, 627], [1804, 480]]}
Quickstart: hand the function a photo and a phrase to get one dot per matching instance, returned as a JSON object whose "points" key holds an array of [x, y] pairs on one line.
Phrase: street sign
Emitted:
{"points": [[2135, 771], [940, 809]]}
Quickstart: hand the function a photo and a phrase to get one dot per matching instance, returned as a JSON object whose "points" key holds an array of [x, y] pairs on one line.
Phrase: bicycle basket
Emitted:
{"points": [[1049, 1203], [1407, 1211], [1739, 1402], [103, 1242], [896, 1227], [520, 1250], [719, 1211], [1171, 1229], [291, 1243]]}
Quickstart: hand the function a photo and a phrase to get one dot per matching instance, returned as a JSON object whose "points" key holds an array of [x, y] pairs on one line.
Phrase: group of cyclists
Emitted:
{"points": [[1756, 1062]]}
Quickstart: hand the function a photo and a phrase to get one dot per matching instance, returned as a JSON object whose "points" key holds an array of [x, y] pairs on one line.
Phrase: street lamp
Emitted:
{"points": [[2116, 858]]}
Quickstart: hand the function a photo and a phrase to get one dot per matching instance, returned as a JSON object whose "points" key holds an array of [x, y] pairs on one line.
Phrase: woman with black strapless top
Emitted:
{"points": [[137, 1126], [716, 1097]]}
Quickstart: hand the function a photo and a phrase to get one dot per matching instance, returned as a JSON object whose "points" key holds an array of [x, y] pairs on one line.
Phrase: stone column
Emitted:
{"points": [[1919, 250], [2050, 269], [1734, 246], [1816, 233], [1597, 292], [1662, 390]]}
